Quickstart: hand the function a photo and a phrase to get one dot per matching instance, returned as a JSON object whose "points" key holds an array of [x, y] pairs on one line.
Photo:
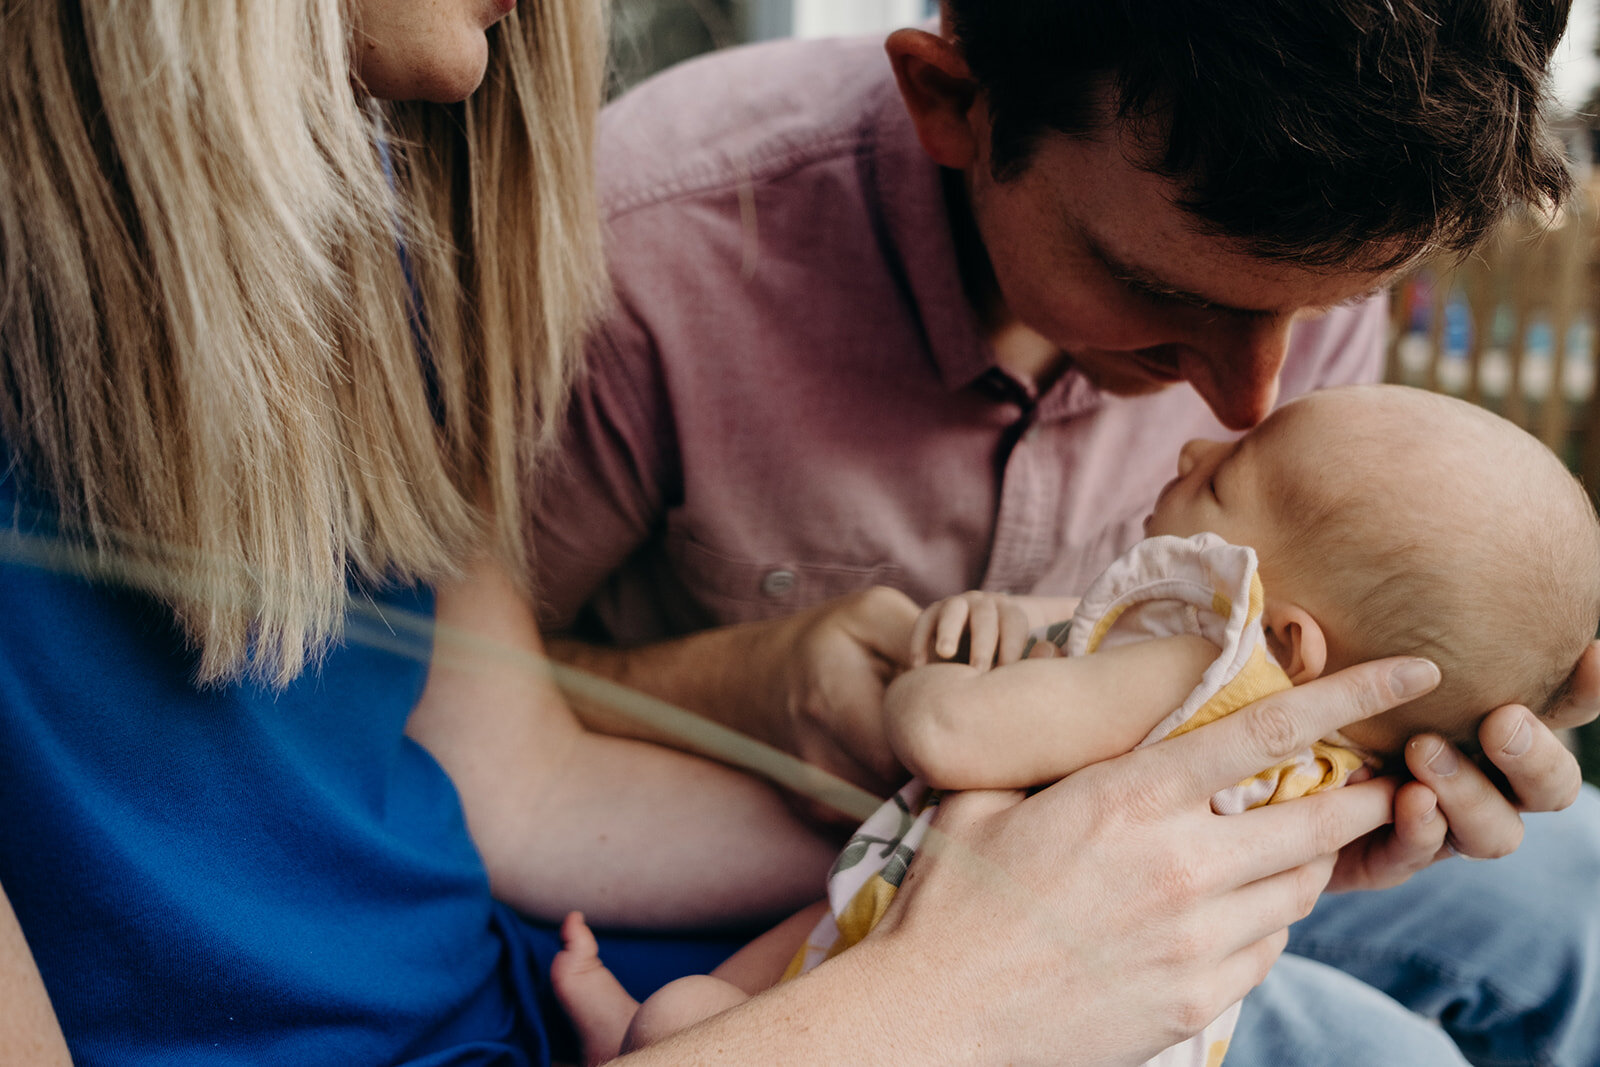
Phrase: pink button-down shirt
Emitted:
{"points": [[794, 399]]}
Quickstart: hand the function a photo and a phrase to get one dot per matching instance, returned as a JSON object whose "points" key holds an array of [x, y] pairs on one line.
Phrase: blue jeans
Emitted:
{"points": [[1492, 963]]}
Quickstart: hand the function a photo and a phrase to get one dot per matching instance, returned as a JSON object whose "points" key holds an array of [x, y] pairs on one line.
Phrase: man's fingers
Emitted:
{"points": [[1482, 822], [882, 619], [1419, 827], [922, 637], [1540, 771], [1247, 968], [1264, 907], [855, 748], [1276, 727], [1388, 857], [1482, 814], [1266, 841]]}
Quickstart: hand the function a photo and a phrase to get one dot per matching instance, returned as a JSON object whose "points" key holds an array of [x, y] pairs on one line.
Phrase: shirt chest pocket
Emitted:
{"points": [[731, 589]]}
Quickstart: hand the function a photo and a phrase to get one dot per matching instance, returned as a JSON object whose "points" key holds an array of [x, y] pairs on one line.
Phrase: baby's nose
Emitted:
{"points": [[1189, 455]]}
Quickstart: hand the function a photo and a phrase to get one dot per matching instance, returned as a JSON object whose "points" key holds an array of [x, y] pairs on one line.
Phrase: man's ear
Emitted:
{"points": [[1295, 640], [939, 92]]}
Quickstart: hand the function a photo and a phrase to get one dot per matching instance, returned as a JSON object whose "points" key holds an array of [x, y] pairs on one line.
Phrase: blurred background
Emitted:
{"points": [[648, 35], [1513, 328]]}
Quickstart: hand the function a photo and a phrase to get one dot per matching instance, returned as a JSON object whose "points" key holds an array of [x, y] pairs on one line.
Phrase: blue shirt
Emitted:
{"points": [[243, 875], [236, 875]]}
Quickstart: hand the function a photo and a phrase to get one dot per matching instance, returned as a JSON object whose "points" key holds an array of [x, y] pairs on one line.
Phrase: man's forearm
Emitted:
{"points": [[729, 675], [809, 685]]}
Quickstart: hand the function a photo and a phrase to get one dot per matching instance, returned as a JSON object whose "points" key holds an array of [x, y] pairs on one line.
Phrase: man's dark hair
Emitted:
{"points": [[1329, 132]]}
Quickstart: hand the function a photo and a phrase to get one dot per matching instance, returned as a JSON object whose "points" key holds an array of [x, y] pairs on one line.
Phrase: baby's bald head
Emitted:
{"points": [[1422, 524]]}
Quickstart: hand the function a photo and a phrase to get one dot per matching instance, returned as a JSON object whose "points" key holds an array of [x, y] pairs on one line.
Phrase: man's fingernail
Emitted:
{"points": [[1414, 677], [1431, 814], [1521, 738], [1443, 762]]}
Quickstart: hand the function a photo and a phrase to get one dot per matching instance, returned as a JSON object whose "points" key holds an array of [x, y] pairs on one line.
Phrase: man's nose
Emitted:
{"points": [[1239, 378]]}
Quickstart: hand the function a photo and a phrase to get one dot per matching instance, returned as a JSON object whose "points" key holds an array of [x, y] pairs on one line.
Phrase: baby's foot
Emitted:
{"points": [[599, 1007]]}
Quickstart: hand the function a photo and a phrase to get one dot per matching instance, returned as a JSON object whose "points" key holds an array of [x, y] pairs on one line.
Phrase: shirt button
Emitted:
{"points": [[777, 583]]}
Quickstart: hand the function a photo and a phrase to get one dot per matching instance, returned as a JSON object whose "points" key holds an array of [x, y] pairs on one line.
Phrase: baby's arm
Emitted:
{"points": [[996, 626], [1037, 720]]}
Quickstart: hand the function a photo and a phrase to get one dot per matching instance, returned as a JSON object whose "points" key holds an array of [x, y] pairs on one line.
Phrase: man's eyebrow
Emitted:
{"points": [[1151, 284]]}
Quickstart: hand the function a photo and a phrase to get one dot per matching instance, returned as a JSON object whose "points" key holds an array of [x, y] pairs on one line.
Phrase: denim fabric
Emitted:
{"points": [[1503, 956], [1307, 1014]]}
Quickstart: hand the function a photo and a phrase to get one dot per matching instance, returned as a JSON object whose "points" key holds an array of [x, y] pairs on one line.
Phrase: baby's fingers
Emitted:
{"points": [[1014, 631], [937, 632], [983, 632], [922, 635], [949, 627]]}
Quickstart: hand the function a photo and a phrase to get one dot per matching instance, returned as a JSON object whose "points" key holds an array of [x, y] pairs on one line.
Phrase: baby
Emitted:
{"points": [[1352, 524]]}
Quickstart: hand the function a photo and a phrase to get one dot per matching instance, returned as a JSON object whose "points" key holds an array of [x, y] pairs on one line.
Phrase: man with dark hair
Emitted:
{"points": [[922, 324], [1361, 134]]}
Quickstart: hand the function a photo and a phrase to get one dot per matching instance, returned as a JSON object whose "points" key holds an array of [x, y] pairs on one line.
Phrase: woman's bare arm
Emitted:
{"points": [[29, 1033], [627, 832]]}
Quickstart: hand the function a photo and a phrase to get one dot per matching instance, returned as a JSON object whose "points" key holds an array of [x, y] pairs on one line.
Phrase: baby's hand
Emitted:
{"points": [[994, 627]]}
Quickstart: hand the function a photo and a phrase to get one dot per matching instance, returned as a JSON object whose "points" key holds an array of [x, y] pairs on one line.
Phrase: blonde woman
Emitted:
{"points": [[283, 325]]}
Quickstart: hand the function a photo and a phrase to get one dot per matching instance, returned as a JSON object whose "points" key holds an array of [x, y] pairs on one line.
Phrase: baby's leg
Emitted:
{"points": [[677, 1005], [599, 1007], [754, 967], [761, 963], [610, 1022]]}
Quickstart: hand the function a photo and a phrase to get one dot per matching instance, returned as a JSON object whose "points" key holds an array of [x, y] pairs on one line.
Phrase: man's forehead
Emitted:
{"points": [[1133, 220]]}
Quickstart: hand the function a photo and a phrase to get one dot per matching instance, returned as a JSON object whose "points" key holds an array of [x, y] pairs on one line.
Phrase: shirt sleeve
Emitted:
{"points": [[605, 490]]}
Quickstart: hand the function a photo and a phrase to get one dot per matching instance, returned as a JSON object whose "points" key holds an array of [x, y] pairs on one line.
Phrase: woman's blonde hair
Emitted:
{"points": [[262, 335]]}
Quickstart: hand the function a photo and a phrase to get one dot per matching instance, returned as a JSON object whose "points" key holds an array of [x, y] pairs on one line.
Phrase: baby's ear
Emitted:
{"points": [[1295, 640]]}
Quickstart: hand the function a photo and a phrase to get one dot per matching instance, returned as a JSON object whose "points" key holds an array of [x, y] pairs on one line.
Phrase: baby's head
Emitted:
{"points": [[1393, 521]]}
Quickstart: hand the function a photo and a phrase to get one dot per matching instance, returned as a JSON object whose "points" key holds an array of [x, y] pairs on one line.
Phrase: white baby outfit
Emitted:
{"points": [[1161, 587]]}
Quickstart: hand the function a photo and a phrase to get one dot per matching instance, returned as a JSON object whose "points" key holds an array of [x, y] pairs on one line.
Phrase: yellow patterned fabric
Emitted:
{"points": [[1162, 587], [867, 873], [1202, 585]]}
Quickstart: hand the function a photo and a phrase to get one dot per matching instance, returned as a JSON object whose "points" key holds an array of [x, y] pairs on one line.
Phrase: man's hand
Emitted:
{"points": [[1454, 807], [1113, 913], [836, 660], [809, 684]]}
